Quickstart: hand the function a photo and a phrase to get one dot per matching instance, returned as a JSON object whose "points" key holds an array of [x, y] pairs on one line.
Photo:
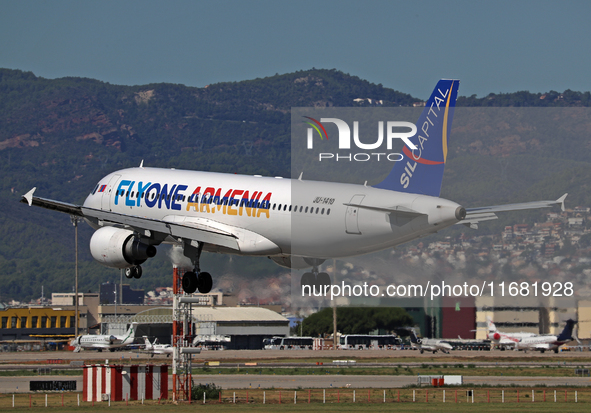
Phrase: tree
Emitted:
{"points": [[356, 320]]}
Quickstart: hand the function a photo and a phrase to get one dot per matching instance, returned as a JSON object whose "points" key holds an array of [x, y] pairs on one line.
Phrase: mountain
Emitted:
{"points": [[63, 135]]}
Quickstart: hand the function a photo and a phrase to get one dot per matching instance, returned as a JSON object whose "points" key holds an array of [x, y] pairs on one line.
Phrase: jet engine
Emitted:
{"points": [[496, 336], [119, 248]]}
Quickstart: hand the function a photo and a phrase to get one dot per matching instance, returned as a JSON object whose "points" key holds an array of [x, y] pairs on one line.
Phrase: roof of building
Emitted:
{"points": [[222, 314]]}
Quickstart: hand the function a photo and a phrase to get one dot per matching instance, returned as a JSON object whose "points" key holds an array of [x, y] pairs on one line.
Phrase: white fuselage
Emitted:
{"points": [[160, 349], [91, 341], [273, 216], [507, 339], [550, 342], [431, 344]]}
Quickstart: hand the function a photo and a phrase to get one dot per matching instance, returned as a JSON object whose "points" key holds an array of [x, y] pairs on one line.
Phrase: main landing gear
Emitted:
{"points": [[316, 280], [196, 280], [133, 272]]}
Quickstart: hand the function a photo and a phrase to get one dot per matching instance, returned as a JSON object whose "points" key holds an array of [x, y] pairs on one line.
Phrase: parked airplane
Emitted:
{"points": [[134, 210], [547, 342], [429, 344], [104, 341], [155, 348], [504, 340]]}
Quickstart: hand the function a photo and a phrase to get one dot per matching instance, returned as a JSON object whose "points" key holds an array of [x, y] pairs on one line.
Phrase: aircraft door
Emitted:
{"points": [[106, 199], [351, 223]]}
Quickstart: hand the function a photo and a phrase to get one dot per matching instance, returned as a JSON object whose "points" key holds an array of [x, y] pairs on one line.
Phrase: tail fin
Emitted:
{"points": [[491, 326], [130, 334], [421, 170], [148, 345], [413, 337], [567, 333]]}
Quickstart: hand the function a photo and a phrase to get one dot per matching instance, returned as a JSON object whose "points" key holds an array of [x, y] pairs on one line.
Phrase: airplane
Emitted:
{"points": [[429, 344], [135, 210], [155, 348], [211, 340], [547, 342], [104, 341], [504, 340]]}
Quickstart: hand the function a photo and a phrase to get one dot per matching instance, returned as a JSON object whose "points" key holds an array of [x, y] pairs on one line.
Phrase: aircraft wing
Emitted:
{"points": [[142, 225], [480, 214], [51, 204]]}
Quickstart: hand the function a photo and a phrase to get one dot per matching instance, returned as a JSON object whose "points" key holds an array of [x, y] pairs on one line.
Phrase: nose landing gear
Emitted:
{"points": [[318, 281]]}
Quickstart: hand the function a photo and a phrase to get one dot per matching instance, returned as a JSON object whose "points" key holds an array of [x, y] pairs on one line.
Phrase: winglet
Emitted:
{"points": [[301, 174], [29, 196], [561, 201], [142, 164]]}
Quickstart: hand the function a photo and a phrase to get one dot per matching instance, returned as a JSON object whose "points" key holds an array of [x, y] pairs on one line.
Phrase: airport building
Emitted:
{"points": [[536, 315], [245, 326]]}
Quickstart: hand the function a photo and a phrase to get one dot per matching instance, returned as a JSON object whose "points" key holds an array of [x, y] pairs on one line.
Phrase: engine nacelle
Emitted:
{"points": [[119, 248]]}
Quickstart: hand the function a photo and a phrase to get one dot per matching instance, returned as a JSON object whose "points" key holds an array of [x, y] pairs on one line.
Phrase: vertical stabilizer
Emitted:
{"points": [[421, 170], [567, 333]]}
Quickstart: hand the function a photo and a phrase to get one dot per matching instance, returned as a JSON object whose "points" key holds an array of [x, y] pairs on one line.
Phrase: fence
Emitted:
{"points": [[319, 396]]}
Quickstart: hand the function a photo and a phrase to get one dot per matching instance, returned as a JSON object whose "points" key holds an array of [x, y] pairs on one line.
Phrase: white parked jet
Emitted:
{"points": [[134, 210], [155, 348], [429, 344], [547, 342], [504, 340], [104, 341]]}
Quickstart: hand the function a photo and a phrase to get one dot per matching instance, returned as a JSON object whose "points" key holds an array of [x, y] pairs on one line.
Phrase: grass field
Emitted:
{"points": [[485, 400], [424, 369]]}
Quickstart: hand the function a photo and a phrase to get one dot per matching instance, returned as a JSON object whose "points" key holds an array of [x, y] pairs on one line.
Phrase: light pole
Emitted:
{"points": [[74, 220]]}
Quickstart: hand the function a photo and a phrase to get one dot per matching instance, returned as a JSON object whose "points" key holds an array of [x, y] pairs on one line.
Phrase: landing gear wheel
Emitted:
{"points": [[307, 279], [322, 279], [133, 272], [189, 282], [204, 282]]}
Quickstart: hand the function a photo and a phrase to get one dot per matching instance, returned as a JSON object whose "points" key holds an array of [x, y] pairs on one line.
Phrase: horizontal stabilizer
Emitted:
{"points": [[517, 207], [487, 213]]}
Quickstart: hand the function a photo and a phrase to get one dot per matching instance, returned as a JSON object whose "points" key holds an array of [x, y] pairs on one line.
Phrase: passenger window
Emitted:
{"points": [[328, 211], [306, 210], [322, 212], [301, 208]]}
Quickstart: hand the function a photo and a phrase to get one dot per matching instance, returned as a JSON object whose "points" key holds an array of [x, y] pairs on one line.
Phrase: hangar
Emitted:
{"points": [[246, 326]]}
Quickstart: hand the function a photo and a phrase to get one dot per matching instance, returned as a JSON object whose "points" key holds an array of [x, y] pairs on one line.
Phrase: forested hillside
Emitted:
{"points": [[62, 135]]}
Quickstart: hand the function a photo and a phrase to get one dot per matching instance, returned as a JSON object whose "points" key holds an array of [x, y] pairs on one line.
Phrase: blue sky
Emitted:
{"points": [[500, 46]]}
